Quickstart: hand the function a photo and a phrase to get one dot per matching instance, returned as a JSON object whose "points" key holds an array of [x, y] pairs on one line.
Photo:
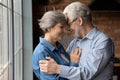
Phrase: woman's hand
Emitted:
{"points": [[75, 55]]}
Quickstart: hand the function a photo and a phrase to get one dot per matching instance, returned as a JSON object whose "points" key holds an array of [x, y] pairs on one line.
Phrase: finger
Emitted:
{"points": [[80, 52], [43, 69], [76, 52], [42, 61], [72, 52], [42, 65], [49, 58]]}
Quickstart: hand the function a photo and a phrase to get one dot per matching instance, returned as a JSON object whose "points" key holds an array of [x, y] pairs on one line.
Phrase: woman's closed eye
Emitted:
{"points": [[61, 27]]}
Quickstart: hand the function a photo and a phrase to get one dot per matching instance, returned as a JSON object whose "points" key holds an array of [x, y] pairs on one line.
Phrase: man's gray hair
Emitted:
{"points": [[77, 9], [50, 19]]}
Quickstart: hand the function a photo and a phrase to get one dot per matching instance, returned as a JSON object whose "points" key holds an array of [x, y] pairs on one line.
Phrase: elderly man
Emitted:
{"points": [[96, 61]]}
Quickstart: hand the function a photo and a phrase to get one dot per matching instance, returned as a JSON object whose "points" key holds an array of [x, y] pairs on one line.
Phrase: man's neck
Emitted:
{"points": [[86, 30]]}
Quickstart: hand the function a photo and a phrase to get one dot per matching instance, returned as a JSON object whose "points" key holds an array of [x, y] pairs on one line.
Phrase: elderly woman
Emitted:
{"points": [[53, 23]]}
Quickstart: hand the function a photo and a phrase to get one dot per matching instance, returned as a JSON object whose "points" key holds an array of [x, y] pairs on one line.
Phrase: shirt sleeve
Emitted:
{"points": [[40, 55], [100, 56], [74, 64]]}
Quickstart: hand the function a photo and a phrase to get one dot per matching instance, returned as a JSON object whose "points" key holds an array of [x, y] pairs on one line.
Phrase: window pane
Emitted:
{"points": [[17, 6], [18, 46], [5, 36], [0, 39], [4, 65], [10, 4], [4, 2], [16, 32], [10, 45], [0, 18], [18, 39]]}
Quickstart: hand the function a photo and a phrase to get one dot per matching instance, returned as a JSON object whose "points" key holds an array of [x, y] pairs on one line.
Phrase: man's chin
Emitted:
{"points": [[76, 35]]}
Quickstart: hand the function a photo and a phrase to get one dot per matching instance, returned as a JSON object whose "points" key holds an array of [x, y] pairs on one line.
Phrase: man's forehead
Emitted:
{"points": [[68, 17]]}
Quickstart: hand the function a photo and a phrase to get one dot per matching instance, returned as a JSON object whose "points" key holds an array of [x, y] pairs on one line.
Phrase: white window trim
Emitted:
{"points": [[27, 40]]}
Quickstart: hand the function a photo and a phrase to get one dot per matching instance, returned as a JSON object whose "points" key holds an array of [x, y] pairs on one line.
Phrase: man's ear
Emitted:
{"points": [[49, 29], [80, 20]]}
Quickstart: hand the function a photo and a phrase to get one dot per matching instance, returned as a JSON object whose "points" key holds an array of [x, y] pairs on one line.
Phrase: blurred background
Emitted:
{"points": [[19, 32]]}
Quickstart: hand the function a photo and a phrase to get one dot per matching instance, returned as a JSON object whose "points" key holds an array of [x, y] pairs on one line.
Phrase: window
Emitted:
{"points": [[18, 39], [11, 30], [3, 44], [12, 37]]}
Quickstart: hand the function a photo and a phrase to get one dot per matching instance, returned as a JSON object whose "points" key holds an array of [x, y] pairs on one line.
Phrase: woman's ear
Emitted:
{"points": [[80, 20]]}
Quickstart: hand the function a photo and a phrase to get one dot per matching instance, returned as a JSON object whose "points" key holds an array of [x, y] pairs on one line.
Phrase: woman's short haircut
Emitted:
{"points": [[50, 19]]}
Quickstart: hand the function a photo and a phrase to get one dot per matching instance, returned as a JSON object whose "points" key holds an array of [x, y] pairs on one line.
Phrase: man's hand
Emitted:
{"points": [[49, 66], [75, 55]]}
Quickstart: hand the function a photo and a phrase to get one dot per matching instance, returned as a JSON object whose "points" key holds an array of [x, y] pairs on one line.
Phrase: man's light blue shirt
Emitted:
{"points": [[96, 61]]}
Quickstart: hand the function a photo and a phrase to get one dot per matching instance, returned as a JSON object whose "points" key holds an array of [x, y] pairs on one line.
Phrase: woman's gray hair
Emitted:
{"points": [[50, 19], [77, 9]]}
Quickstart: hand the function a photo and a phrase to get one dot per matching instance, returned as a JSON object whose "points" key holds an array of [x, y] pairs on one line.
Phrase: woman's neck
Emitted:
{"points": [[50, 40]]}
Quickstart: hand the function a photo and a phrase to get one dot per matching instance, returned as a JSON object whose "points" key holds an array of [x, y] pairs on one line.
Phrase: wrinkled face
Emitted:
{"points": [[57, 32], [74, 26]]}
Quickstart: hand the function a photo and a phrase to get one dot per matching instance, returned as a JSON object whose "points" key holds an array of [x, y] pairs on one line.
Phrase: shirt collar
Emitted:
{"points": [[92, 33], [47, 44]]}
